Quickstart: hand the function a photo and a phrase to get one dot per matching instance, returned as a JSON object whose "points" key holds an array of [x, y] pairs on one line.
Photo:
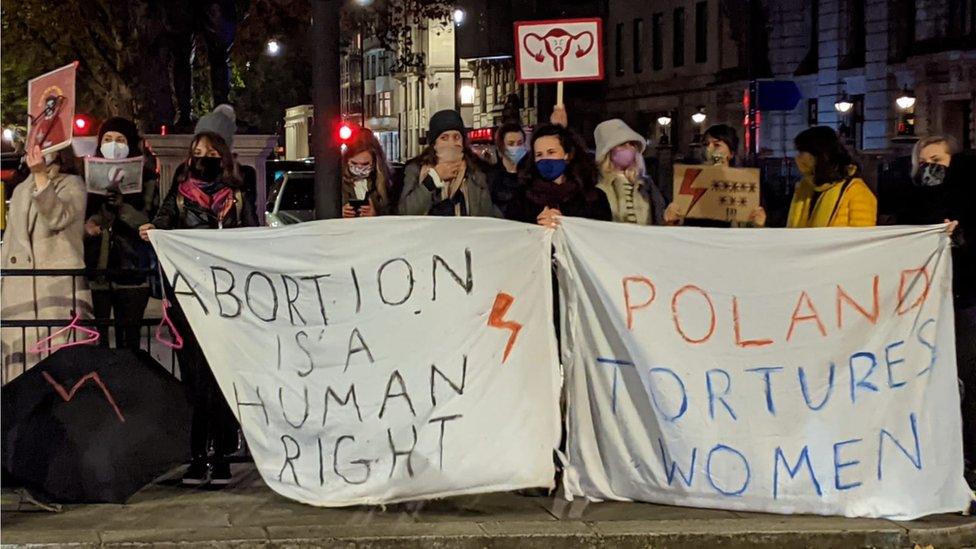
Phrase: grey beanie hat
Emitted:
{"points": [[222, 121]]}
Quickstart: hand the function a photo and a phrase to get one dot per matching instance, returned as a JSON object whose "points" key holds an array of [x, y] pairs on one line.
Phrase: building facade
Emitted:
{"points": [[672, 58]]}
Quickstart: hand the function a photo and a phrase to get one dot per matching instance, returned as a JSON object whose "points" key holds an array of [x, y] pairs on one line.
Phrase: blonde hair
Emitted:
{"points": [[949, 142], [634, 173]]}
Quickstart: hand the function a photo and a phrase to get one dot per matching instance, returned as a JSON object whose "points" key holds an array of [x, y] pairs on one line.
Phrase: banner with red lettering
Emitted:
{"points": [[380, 360], [786, 371]]}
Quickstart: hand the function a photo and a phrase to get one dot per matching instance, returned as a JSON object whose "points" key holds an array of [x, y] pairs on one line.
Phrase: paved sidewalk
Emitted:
{"points": [[248, 514]]}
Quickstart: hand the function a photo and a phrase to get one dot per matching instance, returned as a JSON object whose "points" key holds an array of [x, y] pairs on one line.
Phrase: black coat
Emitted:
{"points": [[572, 201], [177, 213]]}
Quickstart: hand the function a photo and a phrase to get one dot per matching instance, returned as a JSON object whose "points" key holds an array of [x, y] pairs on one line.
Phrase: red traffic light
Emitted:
{"points": [[84, 125], [345, 132]]}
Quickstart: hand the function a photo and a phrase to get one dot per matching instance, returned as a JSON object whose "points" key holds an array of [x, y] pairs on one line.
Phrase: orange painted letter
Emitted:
{"points": [[738, 330], [677, 322], [631, 307], [842, 296], [804, 298], [906, 278]]}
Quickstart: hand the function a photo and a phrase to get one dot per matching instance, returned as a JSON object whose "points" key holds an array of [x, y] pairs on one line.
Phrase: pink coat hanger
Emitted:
{"points": [[39, 347], [177, 341]]}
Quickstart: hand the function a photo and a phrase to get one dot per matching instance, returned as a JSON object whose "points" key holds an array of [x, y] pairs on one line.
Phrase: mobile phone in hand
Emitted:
{"points": [[357, 204]]}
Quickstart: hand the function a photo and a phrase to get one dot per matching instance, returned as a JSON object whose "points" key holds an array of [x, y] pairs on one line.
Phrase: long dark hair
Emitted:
{"points": [[229, 175], [833, 160], [366, 141], [580, 169]]}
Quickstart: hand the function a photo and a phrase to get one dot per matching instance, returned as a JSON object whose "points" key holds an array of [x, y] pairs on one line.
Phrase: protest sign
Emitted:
{"points": [[716, 192], [379, 360], [51, 109], [693, 380], [104, 174], [559, 50]]}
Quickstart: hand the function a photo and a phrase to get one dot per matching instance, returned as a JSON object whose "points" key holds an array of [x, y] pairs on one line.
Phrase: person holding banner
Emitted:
{"points": [[208, 195], [831, 192], [941, 191], [112, 238], [45, 228], [447, 178], [365, 177], [633, 197], [721, 144], [504, 178], [558, 179]]}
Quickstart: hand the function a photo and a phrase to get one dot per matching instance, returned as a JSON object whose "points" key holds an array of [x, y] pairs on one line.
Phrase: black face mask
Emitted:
{"points": [[930, 174], [206, 168]]}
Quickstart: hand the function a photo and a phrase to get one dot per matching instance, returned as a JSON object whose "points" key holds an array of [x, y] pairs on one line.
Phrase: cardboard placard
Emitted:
{"points": [[716, 192], [559, 50], [103, 174], [51, 106]]}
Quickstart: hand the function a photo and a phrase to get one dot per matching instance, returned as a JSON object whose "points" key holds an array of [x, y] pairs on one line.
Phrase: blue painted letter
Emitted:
{"points": [[893, 361], [804, 457], [802, 374], [770, 405], [838, 465], [672, 467], [712, 397], [863, 382], [916, 459], [711, 476], [659, 404]]}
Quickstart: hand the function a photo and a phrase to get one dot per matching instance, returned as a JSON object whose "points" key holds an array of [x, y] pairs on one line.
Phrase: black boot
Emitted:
{"points": [[220, 472], [198, 473]]}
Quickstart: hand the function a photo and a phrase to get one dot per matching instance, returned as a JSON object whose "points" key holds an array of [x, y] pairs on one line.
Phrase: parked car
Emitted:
{"points": [[292, 199]]}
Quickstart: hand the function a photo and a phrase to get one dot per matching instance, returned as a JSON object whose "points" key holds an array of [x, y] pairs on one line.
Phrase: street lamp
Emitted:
{"points": [[467, 93], [906, 101], [458, 16], [843, 105], [273, 47], [665, 122], [698, 119], [8, 135], [906, 122]]}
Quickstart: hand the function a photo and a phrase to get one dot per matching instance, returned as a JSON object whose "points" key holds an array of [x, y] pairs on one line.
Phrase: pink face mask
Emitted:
{"points": [[623, 157]]}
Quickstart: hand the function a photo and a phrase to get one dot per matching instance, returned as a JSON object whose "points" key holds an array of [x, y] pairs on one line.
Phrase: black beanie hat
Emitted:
{"points": [[444, 121], [124, 126]]}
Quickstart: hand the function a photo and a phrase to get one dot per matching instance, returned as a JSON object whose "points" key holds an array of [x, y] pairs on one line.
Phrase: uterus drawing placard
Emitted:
{"points": [[559, 50]]}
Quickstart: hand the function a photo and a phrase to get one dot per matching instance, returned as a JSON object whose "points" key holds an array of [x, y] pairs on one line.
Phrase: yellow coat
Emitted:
{"points": [[837, 205]]}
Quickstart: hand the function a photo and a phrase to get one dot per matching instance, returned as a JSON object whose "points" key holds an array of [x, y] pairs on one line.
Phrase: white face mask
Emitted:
{"points": [[114, 150]]}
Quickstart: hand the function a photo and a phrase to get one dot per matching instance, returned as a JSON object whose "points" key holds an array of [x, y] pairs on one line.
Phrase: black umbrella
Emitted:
{"points": [[92, 424]]}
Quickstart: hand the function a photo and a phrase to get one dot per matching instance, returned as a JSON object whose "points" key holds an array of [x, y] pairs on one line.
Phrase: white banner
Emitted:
{"points": [[380, 360], [787, 371]]}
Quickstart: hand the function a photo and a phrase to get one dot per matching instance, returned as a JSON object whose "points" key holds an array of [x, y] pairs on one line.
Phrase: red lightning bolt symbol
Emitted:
{"points": [[686, 189], [96, 379], [503, 302]]}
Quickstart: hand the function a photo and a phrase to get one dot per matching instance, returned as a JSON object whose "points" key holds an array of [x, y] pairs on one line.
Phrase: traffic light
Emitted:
{"points": [[346, 132], [84, 125]]}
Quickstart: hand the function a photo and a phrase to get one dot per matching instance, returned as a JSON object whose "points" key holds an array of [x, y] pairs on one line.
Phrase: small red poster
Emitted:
{"points": [[51, 109]]}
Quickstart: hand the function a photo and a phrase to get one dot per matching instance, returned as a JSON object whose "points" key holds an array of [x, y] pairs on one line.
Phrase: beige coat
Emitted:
{"points": [[44, 231]]}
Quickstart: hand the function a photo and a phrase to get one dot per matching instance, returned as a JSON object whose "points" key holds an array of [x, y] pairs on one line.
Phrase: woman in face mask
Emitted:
{"points": [[206, 195], [721, 144], [503, 179], [365, 178], [633, 197], [942, 191], [112, 238], [558, 179], [45, 228], [447, 178], [831, 192]]}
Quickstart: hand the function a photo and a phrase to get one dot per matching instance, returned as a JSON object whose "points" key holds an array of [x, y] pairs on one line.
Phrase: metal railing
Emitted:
{"points": [[145, 325]]}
